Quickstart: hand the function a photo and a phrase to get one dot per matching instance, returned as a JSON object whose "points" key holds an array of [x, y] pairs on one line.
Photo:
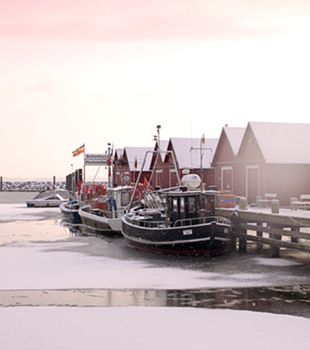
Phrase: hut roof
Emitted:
{"points": [[163, 147], [283, 143], [119, 152], [234, 137], [188, 153], [136, 155]]}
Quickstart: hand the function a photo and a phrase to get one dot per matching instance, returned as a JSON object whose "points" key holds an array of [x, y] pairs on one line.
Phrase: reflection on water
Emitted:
{"points": [[293, 300], [31, 231]]}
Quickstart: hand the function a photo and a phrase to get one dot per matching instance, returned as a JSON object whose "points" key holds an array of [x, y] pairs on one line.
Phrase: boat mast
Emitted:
{"points": [[109, 164], [157, 139]]}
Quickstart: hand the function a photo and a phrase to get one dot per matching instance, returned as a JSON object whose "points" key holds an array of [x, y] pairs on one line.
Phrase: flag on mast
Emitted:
{"points": [[203, 139], [78, 151]]}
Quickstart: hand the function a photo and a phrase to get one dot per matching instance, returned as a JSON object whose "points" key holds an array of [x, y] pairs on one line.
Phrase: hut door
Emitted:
{"points": [[226, 179], [158, 178], [252, 183], [173, 181]]}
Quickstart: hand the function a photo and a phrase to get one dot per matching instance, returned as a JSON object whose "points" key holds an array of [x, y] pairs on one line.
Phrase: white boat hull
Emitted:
{"points": [[44, 203], [100, 223]]}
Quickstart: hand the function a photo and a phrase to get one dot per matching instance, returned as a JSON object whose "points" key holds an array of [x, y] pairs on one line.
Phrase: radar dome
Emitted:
{"points": [[191, 181]]}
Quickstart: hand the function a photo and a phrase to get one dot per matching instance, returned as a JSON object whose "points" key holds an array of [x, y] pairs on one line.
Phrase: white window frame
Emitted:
{"points": [[222, 177], [158, 171]]}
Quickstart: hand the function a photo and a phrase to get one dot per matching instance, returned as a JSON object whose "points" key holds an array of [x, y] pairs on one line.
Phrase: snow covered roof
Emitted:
{"points": [[119, 152], [234, 137], [163, 147], [188, 152], [283, 143], [137, 154]]}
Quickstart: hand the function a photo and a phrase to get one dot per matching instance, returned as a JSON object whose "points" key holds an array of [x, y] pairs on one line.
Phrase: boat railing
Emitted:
{"points": [[153, 200], [149, 223], [200, 221], [110, 214]]}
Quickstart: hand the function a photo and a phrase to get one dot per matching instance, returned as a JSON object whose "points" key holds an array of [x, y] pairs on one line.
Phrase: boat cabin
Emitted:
{"points": [[189, 204]]}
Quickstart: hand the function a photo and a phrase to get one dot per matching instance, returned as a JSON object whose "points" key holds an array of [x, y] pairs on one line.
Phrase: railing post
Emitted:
{"points": [[259, 233], [295, 239], [274, 251], [275, 208], [242, 242], [234, 230]]}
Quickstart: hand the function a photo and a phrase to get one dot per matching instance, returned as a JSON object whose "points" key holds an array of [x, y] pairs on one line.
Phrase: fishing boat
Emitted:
{"points": [[104, 213], [178, 221], [70, 210], [49, 198]]}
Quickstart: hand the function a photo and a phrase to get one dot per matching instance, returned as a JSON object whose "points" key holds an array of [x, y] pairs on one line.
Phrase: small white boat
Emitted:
{"points": [[49, 198]]}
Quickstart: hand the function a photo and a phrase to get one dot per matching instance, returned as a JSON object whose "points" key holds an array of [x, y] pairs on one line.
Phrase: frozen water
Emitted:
{"points": [[134, 328]]}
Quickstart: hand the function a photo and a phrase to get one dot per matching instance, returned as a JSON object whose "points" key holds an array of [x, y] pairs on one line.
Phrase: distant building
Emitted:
{"points": [[127, 165], [272, 158], [225, 160], [192, 155]]}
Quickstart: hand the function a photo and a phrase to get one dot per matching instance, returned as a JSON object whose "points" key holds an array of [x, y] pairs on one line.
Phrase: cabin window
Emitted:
{"points": [[203, 202], [191, 205], [175, 205], [182, 207]]}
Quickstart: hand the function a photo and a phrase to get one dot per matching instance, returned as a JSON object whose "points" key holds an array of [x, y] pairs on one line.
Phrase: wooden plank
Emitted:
{"points": [[275, 242], [277, 219], [277, 231]]}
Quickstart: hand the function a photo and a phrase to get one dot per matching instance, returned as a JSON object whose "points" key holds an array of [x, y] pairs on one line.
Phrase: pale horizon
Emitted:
{"points": [[93, 72]]}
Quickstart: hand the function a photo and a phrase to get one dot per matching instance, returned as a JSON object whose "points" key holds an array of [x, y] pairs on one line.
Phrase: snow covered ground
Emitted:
{"points": [[134, 328], [68, 265]]}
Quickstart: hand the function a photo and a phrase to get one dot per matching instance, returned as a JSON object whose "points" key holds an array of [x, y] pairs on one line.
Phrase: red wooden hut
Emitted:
{"points": [[192, 155], [273, 158], [224, 160], [127, 165]]}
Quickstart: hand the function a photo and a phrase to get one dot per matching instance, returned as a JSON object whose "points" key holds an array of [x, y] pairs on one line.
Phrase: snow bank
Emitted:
{"points": [[276, 262], [133, 328]]}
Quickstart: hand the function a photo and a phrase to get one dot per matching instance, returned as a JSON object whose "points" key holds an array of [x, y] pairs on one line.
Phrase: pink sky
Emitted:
{"points": [[141, 19], [93, 72]]}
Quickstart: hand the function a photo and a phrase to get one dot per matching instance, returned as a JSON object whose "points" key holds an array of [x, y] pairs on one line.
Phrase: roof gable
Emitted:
{"points": [[188, 152], [283, 143], [163, 147], [229, 144], [136, 155], [118, 153], [234, 137]]}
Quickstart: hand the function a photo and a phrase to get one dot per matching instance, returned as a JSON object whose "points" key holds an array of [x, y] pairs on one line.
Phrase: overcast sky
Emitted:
{"points": [[99, 71]]}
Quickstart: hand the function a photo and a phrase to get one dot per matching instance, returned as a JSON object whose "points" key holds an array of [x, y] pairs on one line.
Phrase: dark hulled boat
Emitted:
{"points": [[178, 221]]}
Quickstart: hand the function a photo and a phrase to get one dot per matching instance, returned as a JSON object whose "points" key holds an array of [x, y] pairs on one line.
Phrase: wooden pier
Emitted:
{"points": [[286, 229]]}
